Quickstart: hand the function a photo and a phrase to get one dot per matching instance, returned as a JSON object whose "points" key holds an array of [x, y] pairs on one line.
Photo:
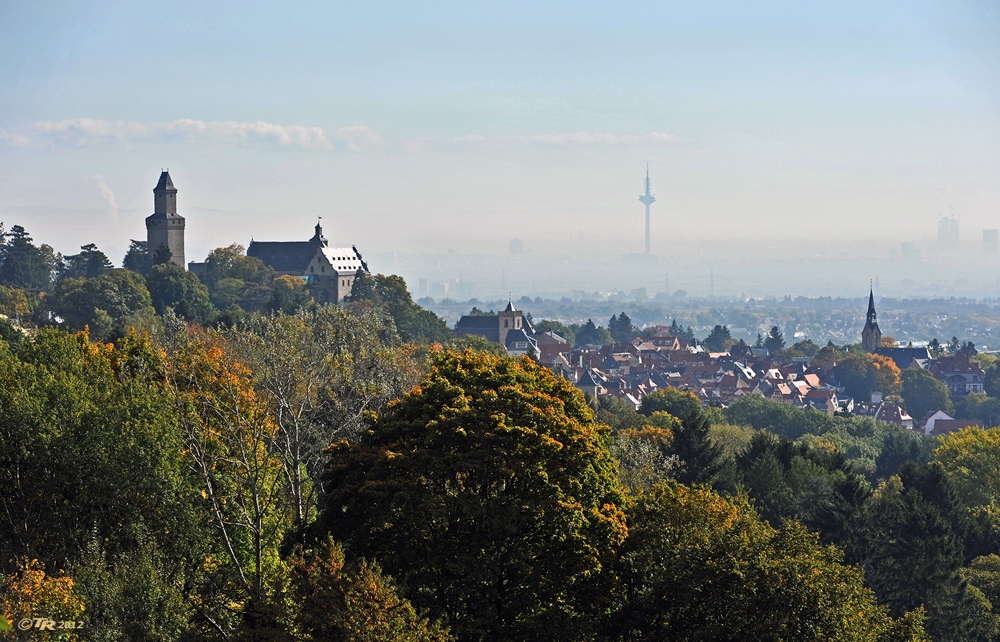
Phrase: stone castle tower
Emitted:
{"points": [[164, 226], [871, 336]]}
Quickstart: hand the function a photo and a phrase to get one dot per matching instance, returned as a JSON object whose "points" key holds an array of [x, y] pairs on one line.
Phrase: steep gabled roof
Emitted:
{"points": [[284, 256]]}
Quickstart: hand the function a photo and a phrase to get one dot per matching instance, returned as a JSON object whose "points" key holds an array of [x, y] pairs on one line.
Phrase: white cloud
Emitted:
{"points": [[577, 138], [14, 140], [84, 131]]}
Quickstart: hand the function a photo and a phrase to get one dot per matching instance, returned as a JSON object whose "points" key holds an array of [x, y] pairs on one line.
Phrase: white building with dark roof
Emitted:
{"points": [[334, 268]]}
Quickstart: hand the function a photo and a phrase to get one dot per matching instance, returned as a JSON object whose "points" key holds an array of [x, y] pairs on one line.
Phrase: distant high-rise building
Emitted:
{"points": [[647, 199], [948, 231], [990, 244], [909, 252], [165, 226], [516, 247]]}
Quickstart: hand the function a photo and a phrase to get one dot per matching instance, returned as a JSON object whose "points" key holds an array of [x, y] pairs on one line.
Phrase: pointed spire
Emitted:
{"points": [[871, 305], [164, 183], [318, 236]]}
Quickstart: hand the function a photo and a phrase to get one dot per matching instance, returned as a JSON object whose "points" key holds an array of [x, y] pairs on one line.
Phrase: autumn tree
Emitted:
{"points": [[862, 374], [231, 444], [28, 592], [487, 492], [698, 567], [671, 401], [971, 459], [644, 454], [318, 371], [333, 600]]}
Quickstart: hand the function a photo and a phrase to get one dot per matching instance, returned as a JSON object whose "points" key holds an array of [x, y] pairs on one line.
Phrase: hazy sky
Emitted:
{"points": [[436, 125]]}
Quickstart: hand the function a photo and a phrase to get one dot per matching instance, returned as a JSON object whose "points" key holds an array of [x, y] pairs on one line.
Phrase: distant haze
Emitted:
{"points": [[792, 148]]}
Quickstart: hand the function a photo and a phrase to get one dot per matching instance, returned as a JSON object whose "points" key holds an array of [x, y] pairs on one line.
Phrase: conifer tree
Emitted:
{"points": [[700, 459]]}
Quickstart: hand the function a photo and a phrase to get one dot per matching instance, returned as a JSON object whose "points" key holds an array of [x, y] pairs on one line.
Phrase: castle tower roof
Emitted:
{"points": [[871, 304], [510, 307], [164, 184]]}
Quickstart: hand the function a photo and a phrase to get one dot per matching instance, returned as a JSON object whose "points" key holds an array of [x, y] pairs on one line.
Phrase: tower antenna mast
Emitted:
{"points": [[647, 199]]}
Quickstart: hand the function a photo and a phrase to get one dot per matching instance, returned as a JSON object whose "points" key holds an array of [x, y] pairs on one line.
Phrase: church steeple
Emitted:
{"points": [[871, 336]]}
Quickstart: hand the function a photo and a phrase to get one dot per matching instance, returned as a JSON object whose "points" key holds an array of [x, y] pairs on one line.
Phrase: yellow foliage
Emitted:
{"points": [[971, 458], [30, 593]]}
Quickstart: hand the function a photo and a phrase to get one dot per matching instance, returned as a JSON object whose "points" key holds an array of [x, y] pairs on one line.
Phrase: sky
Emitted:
{"points": [[436, 126]]}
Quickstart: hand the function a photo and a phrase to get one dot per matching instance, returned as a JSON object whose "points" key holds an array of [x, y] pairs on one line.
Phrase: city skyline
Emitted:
{"points": [[459, 127]]}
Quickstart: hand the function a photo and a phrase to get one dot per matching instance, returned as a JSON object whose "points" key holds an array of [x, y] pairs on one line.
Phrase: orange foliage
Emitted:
{"points": [[30, 593]]}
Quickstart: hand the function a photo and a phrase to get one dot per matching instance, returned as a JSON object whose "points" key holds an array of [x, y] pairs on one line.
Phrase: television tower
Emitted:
{"points": [[647, 199]]}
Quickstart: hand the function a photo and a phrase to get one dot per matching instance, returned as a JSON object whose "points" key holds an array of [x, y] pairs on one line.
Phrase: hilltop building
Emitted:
{"points": [[334, 268], [871, 336], [509, 328], [165, 226]]}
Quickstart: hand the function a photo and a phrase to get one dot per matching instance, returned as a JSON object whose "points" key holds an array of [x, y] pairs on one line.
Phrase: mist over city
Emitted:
{"points": [[500, 322]]}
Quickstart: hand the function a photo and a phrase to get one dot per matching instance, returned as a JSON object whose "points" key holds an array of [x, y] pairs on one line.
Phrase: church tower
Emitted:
{"points": [[164, 226], [871, 336], [509, 319]]}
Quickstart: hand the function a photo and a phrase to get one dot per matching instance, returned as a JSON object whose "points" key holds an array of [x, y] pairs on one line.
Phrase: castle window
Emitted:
{"points": [[505, 323], [311, 269], [323, 268]]}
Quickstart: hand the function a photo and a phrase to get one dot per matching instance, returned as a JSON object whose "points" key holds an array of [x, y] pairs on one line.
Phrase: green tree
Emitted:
{"points": [[699, 567], [916, 556], [718, 340], [108, 304], [11, 273], [88, 264], [488, 492], [621, 329], [978, 405], [91, 457], [774, 340], [413, 323], [857, 374], [161, 255], [699, 460], [590, 334], [562, 330], [36, 265], [231, 262], [923, 393], [138, 259], [171, 286]]}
